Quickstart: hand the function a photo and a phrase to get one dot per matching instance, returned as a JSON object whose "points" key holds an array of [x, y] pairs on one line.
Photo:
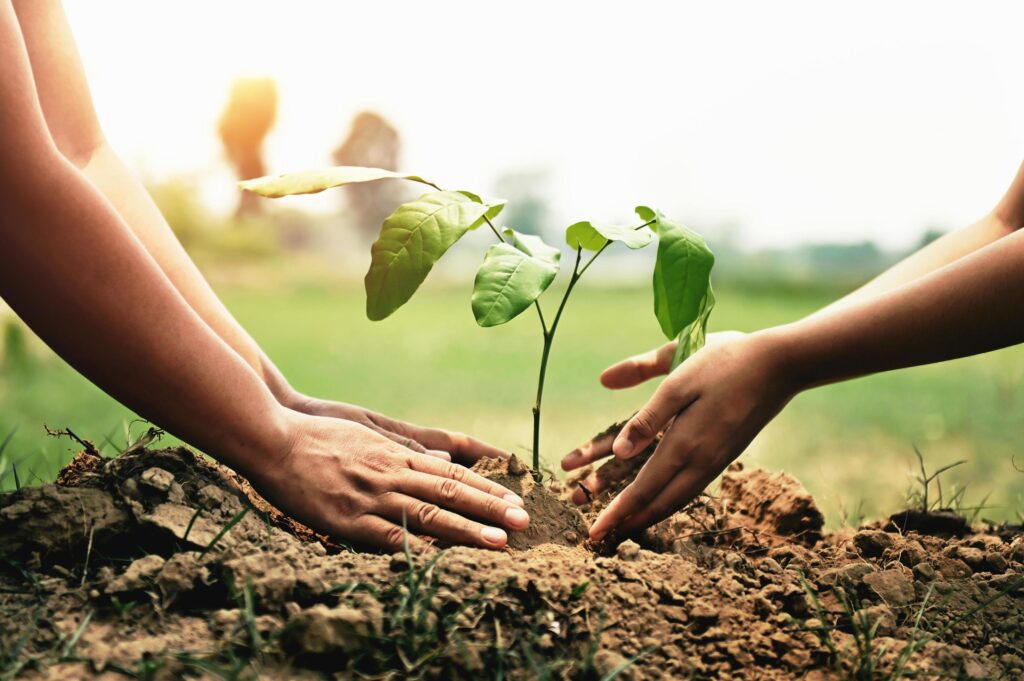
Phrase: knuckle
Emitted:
{"points": [[395, 536], [494, 507], [427, 514], [457, 472], [643, 423], [448, 490]]}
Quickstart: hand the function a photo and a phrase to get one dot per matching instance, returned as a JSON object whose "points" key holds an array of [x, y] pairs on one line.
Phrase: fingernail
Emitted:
{"points": [[513, 498], [494, 535], [622, 446], [597, 536], [517, 517]]}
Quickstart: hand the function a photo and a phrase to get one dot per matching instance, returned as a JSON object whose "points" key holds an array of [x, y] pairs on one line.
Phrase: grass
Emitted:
{"points": [[851, 444], [865, 659]]}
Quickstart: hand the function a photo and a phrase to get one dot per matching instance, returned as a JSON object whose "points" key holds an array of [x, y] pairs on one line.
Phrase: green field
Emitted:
{"points": [[851, 444]]}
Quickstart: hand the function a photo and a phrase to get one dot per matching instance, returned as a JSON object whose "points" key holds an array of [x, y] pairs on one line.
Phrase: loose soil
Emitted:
{"points": [[124, 569]]}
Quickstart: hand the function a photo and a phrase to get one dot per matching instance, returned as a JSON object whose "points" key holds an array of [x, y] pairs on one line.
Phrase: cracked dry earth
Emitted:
{"points": [[124, 569]]}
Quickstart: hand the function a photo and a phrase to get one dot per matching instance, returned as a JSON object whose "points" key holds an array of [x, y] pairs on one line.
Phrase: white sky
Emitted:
{"points": [[800, 121]]}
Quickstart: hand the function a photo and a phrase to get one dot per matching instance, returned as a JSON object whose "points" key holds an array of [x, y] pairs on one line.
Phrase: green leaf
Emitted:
{"points": [[534, 246], [511, 277], [692, 338], [412, 239], [682, 275], [313, 181], [593, 237]]}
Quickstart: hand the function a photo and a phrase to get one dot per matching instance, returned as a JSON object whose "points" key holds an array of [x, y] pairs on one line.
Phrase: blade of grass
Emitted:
{"points": [[224, 530], [65, 656], [626, 664]]}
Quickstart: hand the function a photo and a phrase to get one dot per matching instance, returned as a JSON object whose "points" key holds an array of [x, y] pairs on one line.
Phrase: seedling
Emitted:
{"points": [[518, 268]]}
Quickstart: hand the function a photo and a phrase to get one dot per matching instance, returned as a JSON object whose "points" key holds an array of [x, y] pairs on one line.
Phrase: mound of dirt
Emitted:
{"points": [[159, 565], [551, 520]]}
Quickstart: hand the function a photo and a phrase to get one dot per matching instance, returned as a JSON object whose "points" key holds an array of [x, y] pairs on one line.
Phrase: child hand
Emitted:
{"points": [[709, 409]]}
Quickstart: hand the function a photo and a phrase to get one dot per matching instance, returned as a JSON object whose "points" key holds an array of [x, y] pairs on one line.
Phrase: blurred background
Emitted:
{"points": [[812, 146]]}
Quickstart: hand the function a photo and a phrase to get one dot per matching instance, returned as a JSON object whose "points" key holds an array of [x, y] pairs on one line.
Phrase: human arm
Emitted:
{"points": [[75, 273], [922, 287], [71, 118], [1006, 217]]}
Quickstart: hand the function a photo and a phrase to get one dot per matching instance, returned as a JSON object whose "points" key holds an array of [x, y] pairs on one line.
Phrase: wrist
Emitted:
{"points": [[281, 389], [783, 348]]}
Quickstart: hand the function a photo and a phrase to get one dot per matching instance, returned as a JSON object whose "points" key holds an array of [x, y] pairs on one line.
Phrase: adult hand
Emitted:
{"points": [[443, 444], [709, 410], [349, 481]]}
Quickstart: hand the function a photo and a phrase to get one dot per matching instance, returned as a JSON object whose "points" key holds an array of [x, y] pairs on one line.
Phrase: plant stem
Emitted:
{"points": [[549, 336], [548, 333], [494, 229]]}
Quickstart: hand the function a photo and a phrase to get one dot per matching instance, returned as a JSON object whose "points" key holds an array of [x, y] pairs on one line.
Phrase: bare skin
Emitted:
{"points": [[90, 264], [958, 296]]}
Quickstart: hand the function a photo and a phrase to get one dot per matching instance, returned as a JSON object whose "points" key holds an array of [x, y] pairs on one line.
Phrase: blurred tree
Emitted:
{"points": [[527, 210], [930, 234], [373, 142], [248, 117]]}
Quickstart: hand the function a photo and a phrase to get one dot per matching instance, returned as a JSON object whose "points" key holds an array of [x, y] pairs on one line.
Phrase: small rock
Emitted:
{"points": [[606, 662], [628, 550], [399, 562], [320, 630], [213, 496], [924, 572], [515, 466], [881, 617], [972, 556], [157, 478], [951, 568], [701, 610], [872, 543], [892, 586], [769, 565], [996, 563], [973, 669], [912, 553], [179, 575], [139, 575]]}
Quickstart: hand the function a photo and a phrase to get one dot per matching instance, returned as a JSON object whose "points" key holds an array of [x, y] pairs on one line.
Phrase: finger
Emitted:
{"points": [[594, 483], [639, 368], [406, 442], [663, 466], [375, 531], [671, 398], [435, 521], [459, 445], [462, 474], [596, 449], [682, 490], [465, 500]]}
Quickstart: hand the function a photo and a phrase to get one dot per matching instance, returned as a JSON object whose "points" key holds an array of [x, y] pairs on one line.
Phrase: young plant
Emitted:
{"points": [[518, 268]]}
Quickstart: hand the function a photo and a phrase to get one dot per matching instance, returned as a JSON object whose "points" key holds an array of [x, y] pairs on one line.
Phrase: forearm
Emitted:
{"points": [[135, 206], [967, 307], [1003, 220], [77, 275], [941, 252], [71, 119]]}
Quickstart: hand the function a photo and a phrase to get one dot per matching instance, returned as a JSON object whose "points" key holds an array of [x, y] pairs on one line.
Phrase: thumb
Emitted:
{"points": [[639, 368], [653, 418]]}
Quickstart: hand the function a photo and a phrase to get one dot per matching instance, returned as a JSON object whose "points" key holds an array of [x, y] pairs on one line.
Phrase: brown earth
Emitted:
{"points": [[123, 569]]}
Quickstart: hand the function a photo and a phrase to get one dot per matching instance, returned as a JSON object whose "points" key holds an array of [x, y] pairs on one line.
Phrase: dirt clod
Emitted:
{"points": [[742, 585]]}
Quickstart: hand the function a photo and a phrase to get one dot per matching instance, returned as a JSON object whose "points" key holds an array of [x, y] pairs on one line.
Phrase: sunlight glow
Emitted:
{"points": [[796, 121]]}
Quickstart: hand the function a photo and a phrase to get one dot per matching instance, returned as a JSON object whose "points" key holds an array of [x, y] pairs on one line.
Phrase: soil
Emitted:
{"points": [[148, 565]]}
